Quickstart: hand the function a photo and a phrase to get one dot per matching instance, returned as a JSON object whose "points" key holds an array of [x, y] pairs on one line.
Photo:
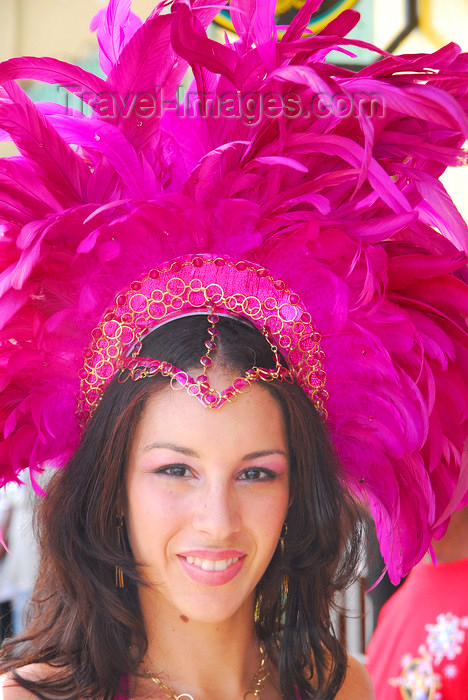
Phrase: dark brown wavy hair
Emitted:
{"points": [[92, 633]]}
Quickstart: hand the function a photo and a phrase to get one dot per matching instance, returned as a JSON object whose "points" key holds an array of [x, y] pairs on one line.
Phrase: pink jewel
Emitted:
{"points": [[219, 262], [181, 377], [264, 373], [241, 266], [262, 272], [202, 379], [121, 301], [213, 331], [240, 384], [176, 266], [136, 286], [279, 284], [197, 262], [213, 318], [210, 398], [294, 299], [206, 361], [154, 274], [210, 345]]}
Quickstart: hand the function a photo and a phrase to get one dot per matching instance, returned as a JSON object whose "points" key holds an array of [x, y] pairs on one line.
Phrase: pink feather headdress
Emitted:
{"points": [[327, 178]]}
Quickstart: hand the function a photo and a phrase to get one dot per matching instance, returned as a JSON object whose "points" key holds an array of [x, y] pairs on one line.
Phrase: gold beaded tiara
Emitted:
{"points": [[210, 285]]}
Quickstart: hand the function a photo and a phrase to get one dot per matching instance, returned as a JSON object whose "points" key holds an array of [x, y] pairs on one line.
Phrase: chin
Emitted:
{"points": [[213, 607], [211, 614]]}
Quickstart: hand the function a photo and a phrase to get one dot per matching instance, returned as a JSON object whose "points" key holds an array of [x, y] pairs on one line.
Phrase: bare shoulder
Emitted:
{"points": [[357, 684], [10, 689]]}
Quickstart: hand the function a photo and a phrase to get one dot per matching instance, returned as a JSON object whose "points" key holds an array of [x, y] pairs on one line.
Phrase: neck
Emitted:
{"points": [[204, 659]]}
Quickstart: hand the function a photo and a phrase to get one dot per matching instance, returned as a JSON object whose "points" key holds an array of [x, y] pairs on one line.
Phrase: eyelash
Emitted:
{"points": [[172, 467], [264, 474]]}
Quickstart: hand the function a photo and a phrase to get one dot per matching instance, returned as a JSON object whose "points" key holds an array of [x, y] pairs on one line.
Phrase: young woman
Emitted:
{"points": [[194, 541], [231, 530]]}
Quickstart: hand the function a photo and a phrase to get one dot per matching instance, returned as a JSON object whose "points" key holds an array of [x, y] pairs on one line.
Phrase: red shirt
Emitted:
{"points": [[419, 650]]}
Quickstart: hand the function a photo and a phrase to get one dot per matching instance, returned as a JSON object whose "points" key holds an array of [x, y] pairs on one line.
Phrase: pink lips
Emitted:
{"points": [[212, 578]]}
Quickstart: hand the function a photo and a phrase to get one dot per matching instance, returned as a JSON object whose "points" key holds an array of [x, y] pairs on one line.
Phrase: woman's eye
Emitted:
{"points": [[257, 474], [175, 470]]}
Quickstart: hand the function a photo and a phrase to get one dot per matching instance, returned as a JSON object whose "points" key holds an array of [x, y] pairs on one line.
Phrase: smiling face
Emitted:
{"points": [[207, 495]]}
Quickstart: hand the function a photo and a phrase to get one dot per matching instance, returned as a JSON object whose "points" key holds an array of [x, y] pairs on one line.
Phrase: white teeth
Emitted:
{"points": [[212, 565]]}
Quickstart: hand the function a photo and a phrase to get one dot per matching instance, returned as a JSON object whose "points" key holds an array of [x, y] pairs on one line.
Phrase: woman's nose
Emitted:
{"points": [[217, 511]]}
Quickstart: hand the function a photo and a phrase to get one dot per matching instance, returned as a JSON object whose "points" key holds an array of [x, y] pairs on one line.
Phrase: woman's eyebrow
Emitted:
{"points": [[192, 453], [171, 446], [264, 453]]}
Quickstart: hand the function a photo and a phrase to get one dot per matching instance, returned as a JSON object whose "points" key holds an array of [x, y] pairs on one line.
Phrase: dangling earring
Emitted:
{"points": [[284, 532], [257, 608], [284, 583], [284, 588], [119, 577]]}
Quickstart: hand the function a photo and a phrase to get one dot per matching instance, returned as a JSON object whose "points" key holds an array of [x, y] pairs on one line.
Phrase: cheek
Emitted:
{"points": [[268, 514], [151, 517]]}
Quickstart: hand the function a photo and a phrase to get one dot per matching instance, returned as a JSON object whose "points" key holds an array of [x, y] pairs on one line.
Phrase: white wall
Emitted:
{"points": [[57, 28]]}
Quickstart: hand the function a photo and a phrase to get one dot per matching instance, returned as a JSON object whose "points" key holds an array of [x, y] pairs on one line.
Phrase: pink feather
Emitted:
{"points": [[46, 152], [115, 25], [73, 78]]}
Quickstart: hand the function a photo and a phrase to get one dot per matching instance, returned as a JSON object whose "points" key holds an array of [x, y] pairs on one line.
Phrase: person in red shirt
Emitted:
{"points": [[419, 650]]}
